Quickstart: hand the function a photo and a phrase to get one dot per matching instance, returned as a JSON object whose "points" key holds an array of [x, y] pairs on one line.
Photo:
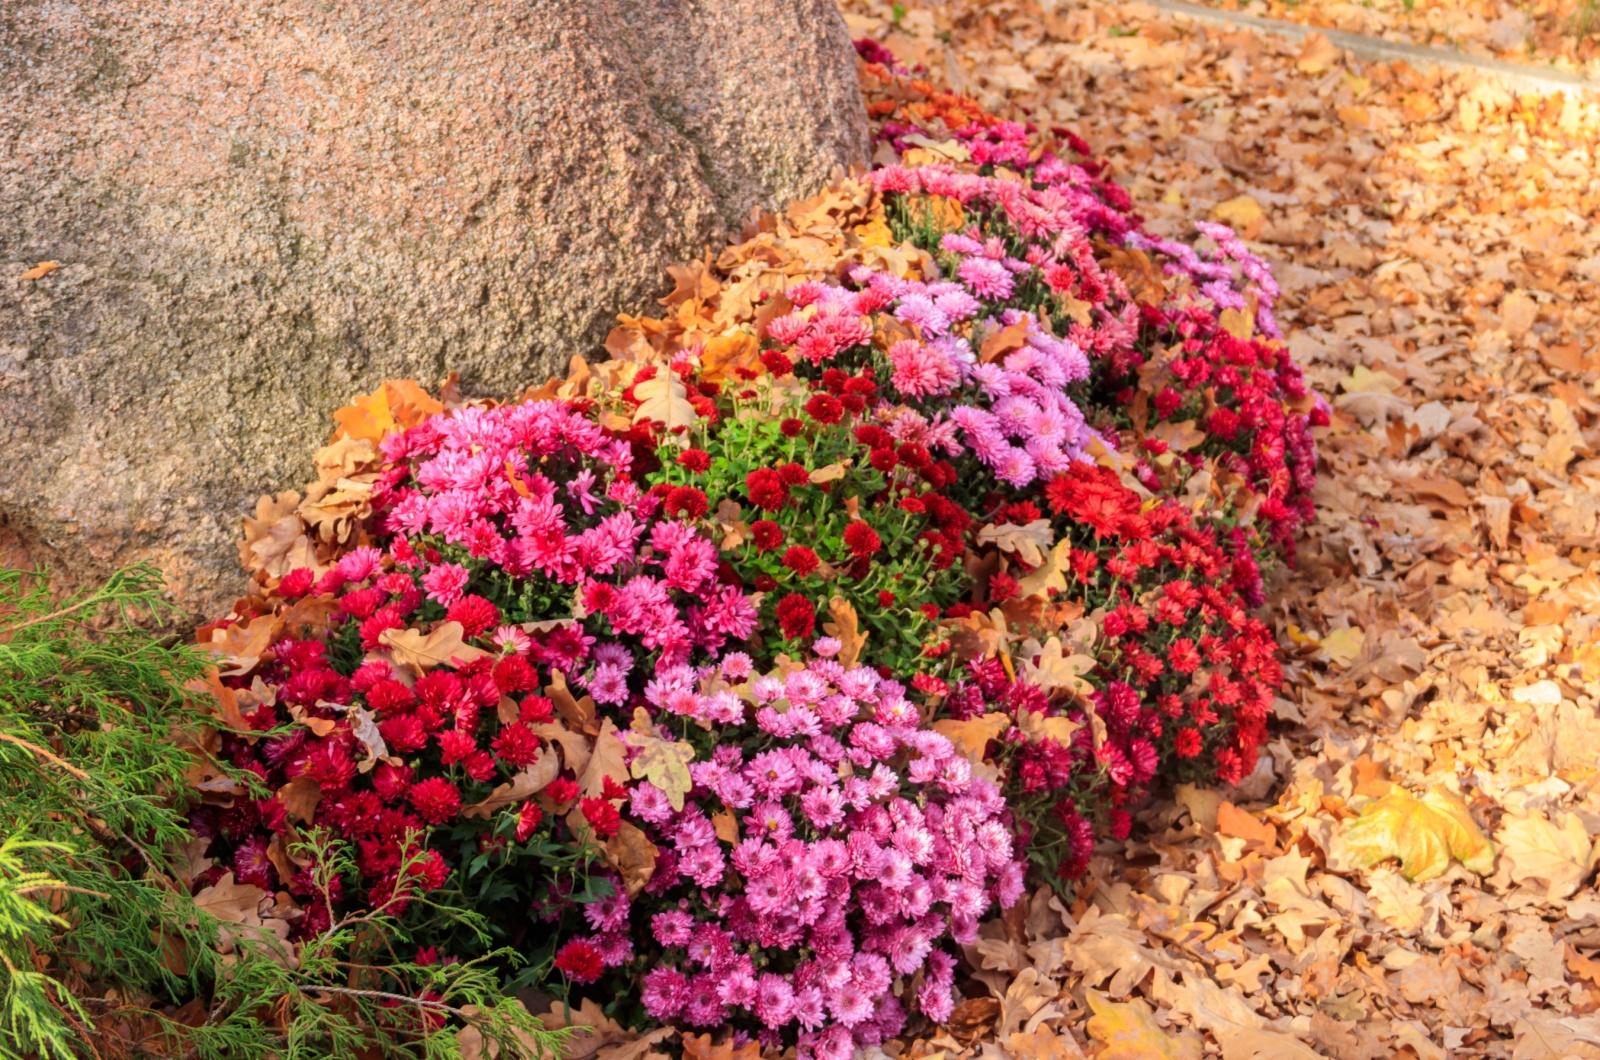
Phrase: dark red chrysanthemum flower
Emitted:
{"points": [[794, 474], [602, 817], [861, 539], [796, 616], [800, 559], [517, 745], [766, 534], [766, 489], [825, 408], [696, 460], [686, 501], [436, 799]]}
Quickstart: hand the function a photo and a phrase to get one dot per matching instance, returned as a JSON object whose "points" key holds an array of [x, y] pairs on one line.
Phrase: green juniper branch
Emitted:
{"points": [[96, 730]]}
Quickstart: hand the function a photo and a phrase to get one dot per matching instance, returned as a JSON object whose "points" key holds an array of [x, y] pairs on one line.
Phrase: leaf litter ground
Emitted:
{"points": [[1410, 873]]}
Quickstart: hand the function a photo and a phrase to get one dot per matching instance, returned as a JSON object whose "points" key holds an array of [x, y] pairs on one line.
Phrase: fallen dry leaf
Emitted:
{"points": [[1130, 1032], [421, 652], [1424, 834]]}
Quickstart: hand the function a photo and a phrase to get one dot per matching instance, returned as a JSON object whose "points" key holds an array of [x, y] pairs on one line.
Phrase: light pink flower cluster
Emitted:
{"points": [[538, 490], [863, 841]]}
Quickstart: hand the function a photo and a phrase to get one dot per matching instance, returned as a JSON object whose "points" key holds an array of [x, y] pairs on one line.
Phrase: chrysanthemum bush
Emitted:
{"points": [[740, 676]]}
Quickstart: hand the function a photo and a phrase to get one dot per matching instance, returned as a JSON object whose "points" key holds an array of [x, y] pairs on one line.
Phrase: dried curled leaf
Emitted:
{"points": [[526, 784], [606, 759], [633, 855]]}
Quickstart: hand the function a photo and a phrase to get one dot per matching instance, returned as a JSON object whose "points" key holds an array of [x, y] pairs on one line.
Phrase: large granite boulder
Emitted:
{"points": [[262, 207]]}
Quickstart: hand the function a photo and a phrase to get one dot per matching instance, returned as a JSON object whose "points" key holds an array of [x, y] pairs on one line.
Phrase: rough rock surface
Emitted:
{"points": [[263, 207]]}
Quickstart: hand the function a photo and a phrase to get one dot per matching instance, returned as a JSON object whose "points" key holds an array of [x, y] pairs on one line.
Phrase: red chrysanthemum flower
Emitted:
{"points": [[686, 501], [517, 745], [536, 709], [297, 582], [696, 460], [475, 615], [861, 539], [431, 872], [1187, 743], [800, 559], [602, 817], [825, 408], [562, 789], [794, 474], [796, 616], [436, 799], [791, 427], [455, 745], [766, 534], [580, 961], [885, 598], [528, 820], [766, 489], [403, 733]]}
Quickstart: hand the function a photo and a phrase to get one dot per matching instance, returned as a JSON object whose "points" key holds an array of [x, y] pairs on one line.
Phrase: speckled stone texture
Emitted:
{"points": [[263, 207]]}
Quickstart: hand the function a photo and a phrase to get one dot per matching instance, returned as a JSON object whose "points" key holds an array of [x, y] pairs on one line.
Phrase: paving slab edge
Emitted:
{"points": [[1376, 48]]}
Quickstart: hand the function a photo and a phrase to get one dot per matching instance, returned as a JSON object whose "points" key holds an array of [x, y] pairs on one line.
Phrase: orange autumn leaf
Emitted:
{"points": [[972, 737], [396, 405]]}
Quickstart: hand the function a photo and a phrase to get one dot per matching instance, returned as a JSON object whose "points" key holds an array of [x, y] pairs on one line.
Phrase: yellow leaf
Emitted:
{"points": [[423, 651], [1051, 574], [663, 763], [1180, 436], [828, 474], [1317, 55], [1363, 380], [1038, 727], [734, 529], [1343, 645], [1130, 1032], [1056, 669], [1240, 212], [972, 737], [396, 405], [1424, 834], [725, 354]]}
